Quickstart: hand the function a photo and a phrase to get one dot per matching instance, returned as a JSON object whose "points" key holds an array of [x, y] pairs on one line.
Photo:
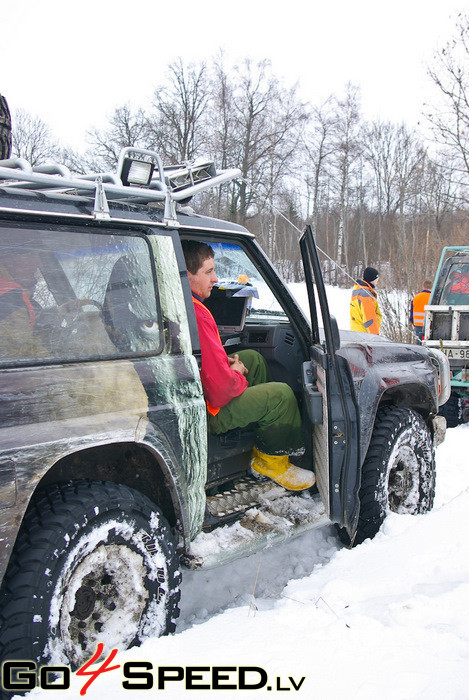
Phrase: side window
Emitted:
{"points": [[72, 296]]}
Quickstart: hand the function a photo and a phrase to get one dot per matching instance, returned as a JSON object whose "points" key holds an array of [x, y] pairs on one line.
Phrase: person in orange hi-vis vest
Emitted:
{"points": [[365, 314], [417, 309]]}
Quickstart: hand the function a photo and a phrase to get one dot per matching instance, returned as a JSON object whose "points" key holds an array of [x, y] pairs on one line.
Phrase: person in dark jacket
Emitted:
{"points": [[365, 314], [237, 388]]}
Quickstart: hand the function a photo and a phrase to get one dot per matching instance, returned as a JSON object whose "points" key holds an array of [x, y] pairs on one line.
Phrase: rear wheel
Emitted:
{"points": [[398, 474], [451, 410], [94, 562], [465, 409], [5, 129]]}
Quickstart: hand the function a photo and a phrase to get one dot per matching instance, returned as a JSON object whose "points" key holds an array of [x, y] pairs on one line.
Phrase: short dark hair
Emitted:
{"points": [[195, 253]]}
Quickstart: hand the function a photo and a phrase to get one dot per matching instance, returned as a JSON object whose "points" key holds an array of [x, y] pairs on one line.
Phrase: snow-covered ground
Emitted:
{"points": [[338, 300], [388, 619]]}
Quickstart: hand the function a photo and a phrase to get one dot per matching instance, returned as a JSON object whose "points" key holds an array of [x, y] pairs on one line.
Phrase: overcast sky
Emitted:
{"points": [[73, 63]]}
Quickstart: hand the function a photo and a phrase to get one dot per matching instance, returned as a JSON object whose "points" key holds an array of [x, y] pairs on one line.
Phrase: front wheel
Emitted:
{"points": [[398, 474], [94, 562]]}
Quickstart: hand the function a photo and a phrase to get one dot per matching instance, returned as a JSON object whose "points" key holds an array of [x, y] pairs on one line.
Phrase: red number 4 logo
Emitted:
{"points": [[83, 671]]}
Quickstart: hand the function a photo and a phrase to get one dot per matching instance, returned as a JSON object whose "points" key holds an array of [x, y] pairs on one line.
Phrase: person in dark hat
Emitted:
{"points": [[365, 315]]}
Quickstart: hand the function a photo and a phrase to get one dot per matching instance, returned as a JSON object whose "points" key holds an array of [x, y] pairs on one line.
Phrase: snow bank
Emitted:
{"points": [[388, 619]]}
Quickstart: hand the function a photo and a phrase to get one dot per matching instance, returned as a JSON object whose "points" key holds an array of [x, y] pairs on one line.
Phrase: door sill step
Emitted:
{"points": [[246, 493], [268, 523]]}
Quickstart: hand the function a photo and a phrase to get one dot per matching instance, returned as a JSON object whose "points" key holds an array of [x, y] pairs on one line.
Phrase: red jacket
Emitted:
{"points": [[460, 283], [219, 381], [8, 285]]}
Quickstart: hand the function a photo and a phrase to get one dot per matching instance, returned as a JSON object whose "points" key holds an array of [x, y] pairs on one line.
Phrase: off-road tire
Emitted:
{"points": [[94, 561], [5, 129], [398, 474], [451, 410]]}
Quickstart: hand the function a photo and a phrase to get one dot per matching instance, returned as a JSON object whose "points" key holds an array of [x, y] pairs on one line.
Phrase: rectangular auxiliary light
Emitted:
{"points": [[183, 177], [136, 172]]}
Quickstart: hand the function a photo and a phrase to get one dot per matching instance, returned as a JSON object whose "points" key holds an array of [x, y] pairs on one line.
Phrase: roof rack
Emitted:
{"points": [[140, 177]]}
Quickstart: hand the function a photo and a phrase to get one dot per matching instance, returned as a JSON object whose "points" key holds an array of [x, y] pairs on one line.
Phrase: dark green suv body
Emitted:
{"points": [[108, 478]]}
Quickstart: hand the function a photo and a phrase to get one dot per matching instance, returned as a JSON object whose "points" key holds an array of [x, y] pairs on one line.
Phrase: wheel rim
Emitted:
{"points": [[403, 481], [104, 601]]}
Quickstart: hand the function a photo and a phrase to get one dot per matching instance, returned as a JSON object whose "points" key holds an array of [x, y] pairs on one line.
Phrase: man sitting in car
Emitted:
{"points": [[237, 388]]}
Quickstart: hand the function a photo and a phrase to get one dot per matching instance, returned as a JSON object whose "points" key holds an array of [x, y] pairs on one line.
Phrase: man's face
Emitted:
{"points": [[204, 279]]}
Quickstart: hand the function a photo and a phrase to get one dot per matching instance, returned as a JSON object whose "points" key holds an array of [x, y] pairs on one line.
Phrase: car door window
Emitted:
{"points": [[68, 296]]}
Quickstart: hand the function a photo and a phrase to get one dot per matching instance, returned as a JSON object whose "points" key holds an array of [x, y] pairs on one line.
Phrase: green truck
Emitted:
{"points": [[447, 327]]}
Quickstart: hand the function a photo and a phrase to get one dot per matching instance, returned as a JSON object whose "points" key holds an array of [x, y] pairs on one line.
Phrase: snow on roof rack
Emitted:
{"points": [[140, 177]]}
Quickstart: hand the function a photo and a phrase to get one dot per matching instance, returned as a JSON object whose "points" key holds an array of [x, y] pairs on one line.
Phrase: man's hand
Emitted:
{"points": [[236, 364]]}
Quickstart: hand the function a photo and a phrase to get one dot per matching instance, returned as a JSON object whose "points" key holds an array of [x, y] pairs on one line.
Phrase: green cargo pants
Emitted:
{"points": [[271, 405]]}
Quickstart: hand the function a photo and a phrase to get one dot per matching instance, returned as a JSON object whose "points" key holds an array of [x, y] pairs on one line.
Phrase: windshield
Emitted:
{"points": [[232, 265], [456, 289]]}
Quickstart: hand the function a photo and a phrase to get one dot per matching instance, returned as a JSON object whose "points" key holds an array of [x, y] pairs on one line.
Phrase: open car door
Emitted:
{"points": [[331, 402]]}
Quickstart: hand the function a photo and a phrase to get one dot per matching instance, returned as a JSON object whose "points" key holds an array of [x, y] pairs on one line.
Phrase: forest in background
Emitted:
{"points": [[376, 193]]}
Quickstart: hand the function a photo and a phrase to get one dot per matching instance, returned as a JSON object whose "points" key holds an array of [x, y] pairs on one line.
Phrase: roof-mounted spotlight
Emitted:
{"points": [[182, 176], [136, 173]]}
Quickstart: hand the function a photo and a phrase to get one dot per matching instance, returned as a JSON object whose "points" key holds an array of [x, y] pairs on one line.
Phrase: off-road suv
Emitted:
{"points": [[109, 481]]}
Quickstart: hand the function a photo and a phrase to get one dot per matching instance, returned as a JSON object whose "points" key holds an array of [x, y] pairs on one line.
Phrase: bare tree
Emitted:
{"points": [[379, 152], [318, 146], [126, 128], [372, 192], [77, 162], [176, 127], [221, 137], [410, 161], [266, 117], [221, 100], [450, 74], [347, 151], [32, 139], [439, 197]]}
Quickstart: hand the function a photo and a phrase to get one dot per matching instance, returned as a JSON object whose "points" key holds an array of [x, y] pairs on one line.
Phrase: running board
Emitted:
{"points": [[245, 493], [265, 525]]}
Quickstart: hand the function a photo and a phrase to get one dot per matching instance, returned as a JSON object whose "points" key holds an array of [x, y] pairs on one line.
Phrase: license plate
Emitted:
{"points": [[456, 353]]}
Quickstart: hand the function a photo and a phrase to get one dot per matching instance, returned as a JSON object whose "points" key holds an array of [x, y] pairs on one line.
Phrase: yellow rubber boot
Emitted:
{"points": [[279, 469]]}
